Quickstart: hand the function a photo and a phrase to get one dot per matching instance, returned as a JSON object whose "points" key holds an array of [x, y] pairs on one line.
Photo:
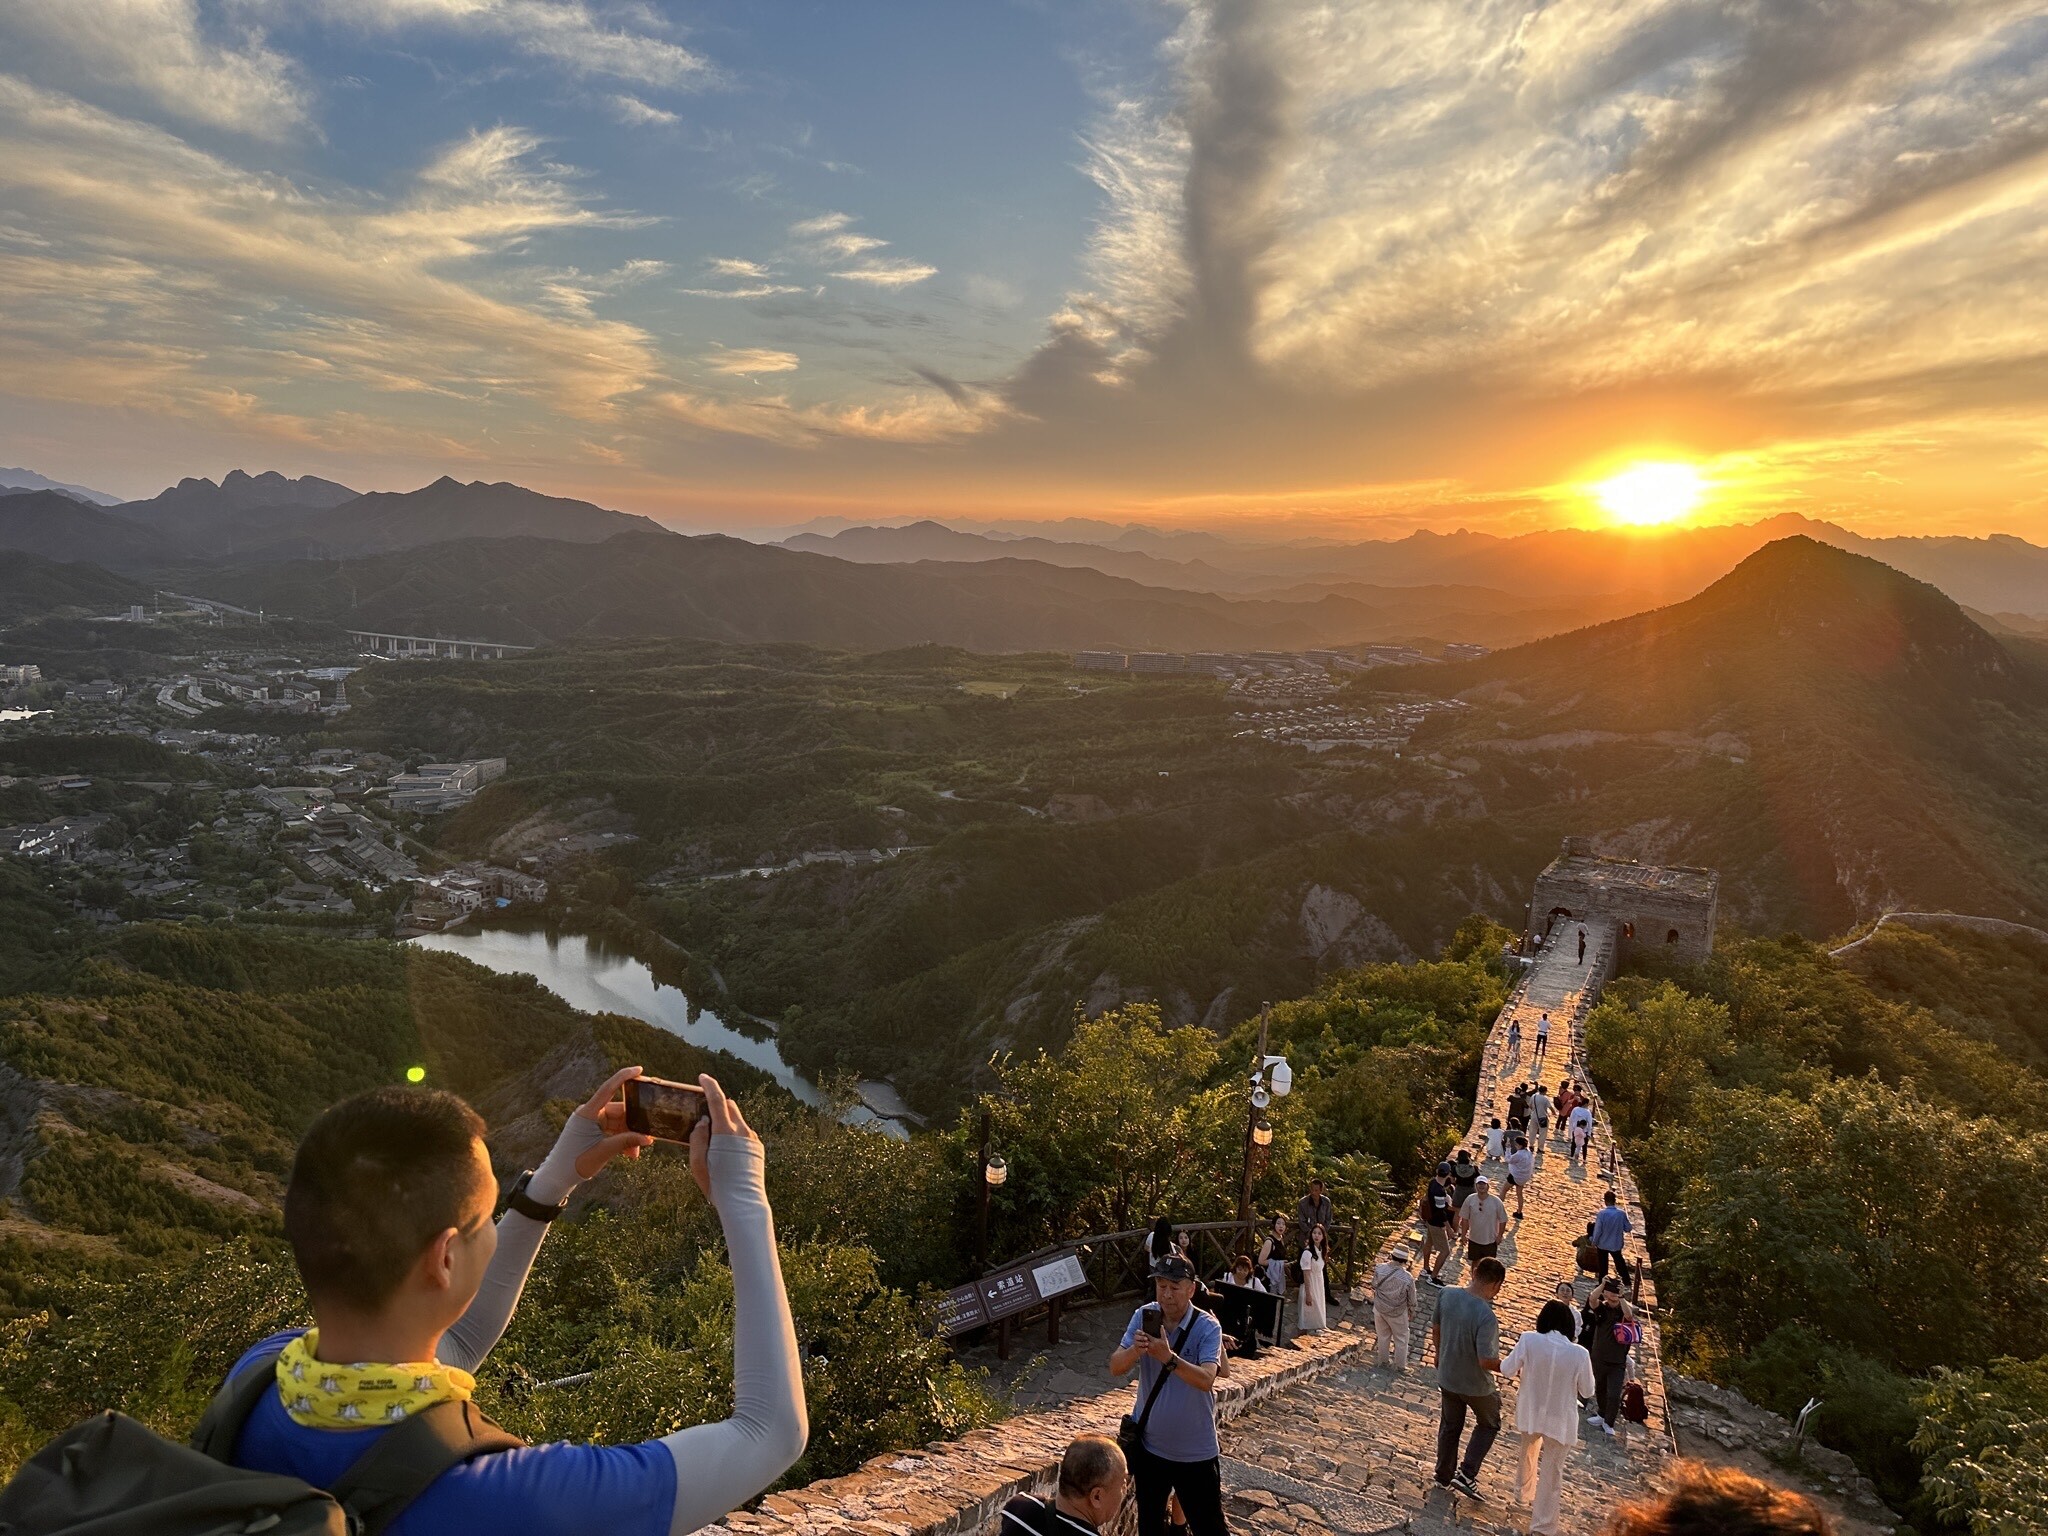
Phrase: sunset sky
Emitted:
{"points": [[1343, 268]]}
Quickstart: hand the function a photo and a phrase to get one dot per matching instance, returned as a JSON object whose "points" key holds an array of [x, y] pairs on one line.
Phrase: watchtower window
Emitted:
{"points": [[1671, 937]]}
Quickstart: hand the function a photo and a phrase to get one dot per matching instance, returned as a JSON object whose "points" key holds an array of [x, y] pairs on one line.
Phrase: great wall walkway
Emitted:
{"points": [[1316, 1440]]}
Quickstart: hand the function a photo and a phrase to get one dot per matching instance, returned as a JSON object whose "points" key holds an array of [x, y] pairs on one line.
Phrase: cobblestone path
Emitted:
{"points": [[1356, 1448]]}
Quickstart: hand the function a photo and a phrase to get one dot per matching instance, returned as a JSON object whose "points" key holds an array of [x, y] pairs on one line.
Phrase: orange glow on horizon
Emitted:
{"points": [[1656, 493]]}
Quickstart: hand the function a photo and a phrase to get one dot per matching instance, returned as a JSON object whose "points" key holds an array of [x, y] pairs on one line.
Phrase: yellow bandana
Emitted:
{"points": [[322, 1395]]}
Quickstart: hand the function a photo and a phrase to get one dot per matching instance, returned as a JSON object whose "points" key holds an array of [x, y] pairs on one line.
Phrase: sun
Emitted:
{"points": [[1650, 495]]}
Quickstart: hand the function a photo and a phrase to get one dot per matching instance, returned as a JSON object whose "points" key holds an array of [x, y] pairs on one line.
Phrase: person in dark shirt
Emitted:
{"points": [[1438, 1212], [1089, 1494], [1464, 1174]]}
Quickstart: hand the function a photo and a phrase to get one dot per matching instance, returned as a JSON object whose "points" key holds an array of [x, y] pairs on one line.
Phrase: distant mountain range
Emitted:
{"points": [[29, 480], [717, 588], [1626, 571], [268, 517], [499, 561]]}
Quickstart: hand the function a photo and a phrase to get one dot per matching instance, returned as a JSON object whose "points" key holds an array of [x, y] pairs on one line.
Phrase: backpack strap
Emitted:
{"points": [[221, 1425], [409, 1456]]}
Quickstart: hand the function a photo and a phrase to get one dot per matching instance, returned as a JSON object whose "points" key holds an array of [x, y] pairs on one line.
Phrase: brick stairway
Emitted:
{"points": [[1361, 1434], [1316, 1440]]}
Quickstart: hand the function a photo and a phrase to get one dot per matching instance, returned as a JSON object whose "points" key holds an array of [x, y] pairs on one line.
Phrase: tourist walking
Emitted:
{"points": [[1521, 1169], [1554, 1372], [1483, 1221], [1567, 1101], [1582, 946], [1539, 1114], [1439, 1210], [1518, 1107], [1569, 1298], [1465, 1338], [1611, 1228], [1581, 1131], [1315, 1266], [1609, 1333], [1464, 1176], [1542, 1035], [1393, 1309], [1170, 1435], [1514, 1044]]}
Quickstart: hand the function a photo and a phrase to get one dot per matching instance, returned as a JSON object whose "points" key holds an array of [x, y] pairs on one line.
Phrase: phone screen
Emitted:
{"points": [[666, 1111]]}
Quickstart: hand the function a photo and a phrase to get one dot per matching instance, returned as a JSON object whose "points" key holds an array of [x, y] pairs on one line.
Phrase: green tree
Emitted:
{"points": [[1890, 1225], [1985, 1440], [1126, 1124], [1651, 1049]]}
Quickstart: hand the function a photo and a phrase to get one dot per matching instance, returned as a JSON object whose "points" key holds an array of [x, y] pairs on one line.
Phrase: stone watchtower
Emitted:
{"points": [[1670, 907]]}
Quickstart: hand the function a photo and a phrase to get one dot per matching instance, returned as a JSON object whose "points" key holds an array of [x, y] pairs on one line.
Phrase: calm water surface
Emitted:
{"points": [[588, 974]]}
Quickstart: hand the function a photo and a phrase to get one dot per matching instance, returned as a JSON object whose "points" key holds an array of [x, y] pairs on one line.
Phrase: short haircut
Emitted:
{"points": [[1720, 1501], [375, 1179], [1490, 1271], [1610, 1197], [1090, 1461], [1555, 1317]]}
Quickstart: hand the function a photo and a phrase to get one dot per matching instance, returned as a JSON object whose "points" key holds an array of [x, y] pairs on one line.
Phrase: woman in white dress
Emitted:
{"points": [[1315, 1309]]}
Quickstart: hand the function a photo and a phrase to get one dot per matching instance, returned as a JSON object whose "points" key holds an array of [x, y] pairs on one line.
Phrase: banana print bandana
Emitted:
{"points": [[322, 1395]]}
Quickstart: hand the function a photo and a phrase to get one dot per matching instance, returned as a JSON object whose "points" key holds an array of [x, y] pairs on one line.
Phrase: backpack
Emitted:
{"points": [[111, 1476], [1635, 1403]]}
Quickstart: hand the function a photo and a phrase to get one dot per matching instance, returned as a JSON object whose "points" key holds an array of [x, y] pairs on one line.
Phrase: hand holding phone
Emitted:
{"points": [[664, 1110], [1153, 1323]]}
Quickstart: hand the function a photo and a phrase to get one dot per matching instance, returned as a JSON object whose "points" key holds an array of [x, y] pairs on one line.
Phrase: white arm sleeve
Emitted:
{"points": [[720, 1466], [478, 1330]]}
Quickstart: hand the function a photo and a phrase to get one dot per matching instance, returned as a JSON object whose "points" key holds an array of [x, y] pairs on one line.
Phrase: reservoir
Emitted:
{"points": [[588, 974]]}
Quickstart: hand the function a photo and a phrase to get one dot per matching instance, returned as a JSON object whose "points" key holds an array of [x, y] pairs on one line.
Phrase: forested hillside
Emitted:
{"points": [[1840, 1161]]}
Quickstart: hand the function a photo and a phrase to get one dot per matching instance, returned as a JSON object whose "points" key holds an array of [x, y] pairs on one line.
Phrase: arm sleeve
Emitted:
{"points": [[478, 1330], [719, 1466]]}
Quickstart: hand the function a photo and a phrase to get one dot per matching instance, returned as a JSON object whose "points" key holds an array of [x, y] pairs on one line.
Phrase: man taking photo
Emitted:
{"points": [[389, 1216], [1171, 1439]]}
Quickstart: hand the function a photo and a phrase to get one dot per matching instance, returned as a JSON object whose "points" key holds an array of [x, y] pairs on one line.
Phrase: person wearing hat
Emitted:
{"points": [[1393, 1309], [1172, 1444], [1438, 1211]]}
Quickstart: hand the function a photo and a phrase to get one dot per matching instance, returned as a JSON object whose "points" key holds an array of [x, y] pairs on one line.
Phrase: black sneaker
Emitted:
{"points": [[1467, 1487]]}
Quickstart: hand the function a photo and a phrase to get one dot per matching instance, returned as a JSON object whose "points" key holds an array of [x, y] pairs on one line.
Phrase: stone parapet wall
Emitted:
{"points": [[959, 1487]]}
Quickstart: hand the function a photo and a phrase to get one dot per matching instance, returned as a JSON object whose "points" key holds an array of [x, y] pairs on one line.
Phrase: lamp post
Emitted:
{"points": [[993, 1172], [1258, 1131]]}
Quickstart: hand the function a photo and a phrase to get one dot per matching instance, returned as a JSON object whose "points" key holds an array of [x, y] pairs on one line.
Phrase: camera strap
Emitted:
{"points": [[1165, 1375]]}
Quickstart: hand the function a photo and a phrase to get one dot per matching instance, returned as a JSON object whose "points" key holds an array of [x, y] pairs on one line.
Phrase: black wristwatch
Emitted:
{"points": [[519, 1200]]}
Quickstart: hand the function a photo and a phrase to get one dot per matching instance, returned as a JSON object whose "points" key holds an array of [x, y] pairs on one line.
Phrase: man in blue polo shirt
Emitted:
{"points": [[1180, 1454], [389, 1216], [1611, 1228]]}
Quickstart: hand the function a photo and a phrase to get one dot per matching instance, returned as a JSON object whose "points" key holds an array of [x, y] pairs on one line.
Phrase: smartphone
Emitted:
{"points": [[664, 1110], [1154, 1323]]}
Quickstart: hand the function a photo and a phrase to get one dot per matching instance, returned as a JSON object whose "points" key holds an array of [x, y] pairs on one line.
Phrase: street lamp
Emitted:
{"points": [[993, 1171], [1272, 1079]]}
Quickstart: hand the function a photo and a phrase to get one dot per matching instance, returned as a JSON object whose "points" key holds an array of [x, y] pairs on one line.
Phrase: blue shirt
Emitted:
{"points": [[1610, 1227], [544, 1490], [1183, 1422]]}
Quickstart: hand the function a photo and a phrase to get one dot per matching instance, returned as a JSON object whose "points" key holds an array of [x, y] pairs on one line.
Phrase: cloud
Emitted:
{"points": [[745, 361], [242, 281], [634, 112], [733, 266], [887, 274], [831, 236], [564, 32], [223, 76]]}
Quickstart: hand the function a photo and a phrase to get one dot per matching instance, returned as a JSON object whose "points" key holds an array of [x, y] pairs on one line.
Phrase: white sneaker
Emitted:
{"points": [[1599, 1423]]}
